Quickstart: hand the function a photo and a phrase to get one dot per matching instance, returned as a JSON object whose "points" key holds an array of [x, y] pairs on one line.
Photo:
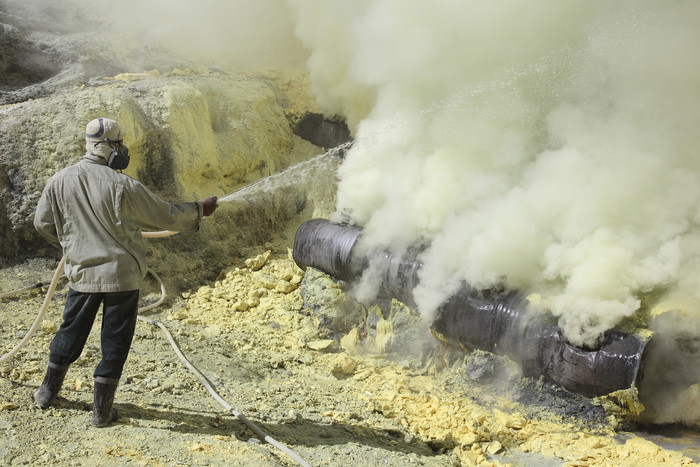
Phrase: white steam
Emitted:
{"points": [[551, 146]]}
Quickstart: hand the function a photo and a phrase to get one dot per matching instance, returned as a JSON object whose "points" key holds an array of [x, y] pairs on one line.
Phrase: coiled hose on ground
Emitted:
{"points": [[202, 379]]}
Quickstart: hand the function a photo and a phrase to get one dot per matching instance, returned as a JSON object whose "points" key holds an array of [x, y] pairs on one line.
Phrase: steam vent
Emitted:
{"points": [[453, 233]]}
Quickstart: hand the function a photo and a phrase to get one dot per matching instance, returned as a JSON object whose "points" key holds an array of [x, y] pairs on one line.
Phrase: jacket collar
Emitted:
{"points": [[93, 159]]}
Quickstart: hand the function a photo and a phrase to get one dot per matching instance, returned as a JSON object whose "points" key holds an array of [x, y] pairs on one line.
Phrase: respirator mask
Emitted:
{"points": [[119, 157]]}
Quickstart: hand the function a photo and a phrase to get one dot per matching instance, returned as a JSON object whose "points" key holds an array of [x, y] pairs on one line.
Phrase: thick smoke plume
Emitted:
{"points": [[547, 146]]}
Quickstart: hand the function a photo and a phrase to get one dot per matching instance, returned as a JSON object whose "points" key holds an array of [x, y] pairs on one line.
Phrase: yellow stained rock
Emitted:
{"points": [[494, 447], [267, 281], [240, 306], [623, 404], [465, 455], [363, 375], [8, 406], [385, 335], [349, 341], [321, 345], [199, 447], [284, 286], [258, 262], [49, 327], [177, 315], [343, 365]]}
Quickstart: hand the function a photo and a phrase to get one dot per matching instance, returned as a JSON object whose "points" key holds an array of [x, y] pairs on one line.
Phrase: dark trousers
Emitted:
{"points": [[119, 313]]}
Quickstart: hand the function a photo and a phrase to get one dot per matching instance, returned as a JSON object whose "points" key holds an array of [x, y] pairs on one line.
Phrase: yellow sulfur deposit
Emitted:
{"points": [[406, 398]]}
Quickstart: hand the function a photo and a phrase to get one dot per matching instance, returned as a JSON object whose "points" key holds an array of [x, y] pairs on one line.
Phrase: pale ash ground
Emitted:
{"points": [[268, 358]]}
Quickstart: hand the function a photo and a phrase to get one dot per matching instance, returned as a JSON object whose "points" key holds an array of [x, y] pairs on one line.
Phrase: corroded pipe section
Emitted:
{"points": [[493, 320], [503, 324], [614, 365]]}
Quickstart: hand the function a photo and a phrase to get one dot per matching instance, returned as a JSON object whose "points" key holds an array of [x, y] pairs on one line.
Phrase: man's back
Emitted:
{"points": [[97, 214], [103, 254]]}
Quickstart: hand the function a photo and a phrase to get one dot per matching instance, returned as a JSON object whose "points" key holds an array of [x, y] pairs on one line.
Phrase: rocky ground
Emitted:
{"points": [[337, 393]]}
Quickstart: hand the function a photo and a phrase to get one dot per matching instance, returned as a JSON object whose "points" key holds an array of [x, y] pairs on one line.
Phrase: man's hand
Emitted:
{"points": [[209, 205]]}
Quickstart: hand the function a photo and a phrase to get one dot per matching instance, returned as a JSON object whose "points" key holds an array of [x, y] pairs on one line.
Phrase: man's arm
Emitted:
{"points": [[146, 210], [44, 220]]}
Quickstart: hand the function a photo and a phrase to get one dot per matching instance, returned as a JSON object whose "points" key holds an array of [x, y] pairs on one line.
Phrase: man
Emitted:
{"points": [[95, 214]]}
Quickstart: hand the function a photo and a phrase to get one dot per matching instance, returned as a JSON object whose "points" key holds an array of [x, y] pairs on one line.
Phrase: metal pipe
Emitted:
{"points": [[498, 321]]}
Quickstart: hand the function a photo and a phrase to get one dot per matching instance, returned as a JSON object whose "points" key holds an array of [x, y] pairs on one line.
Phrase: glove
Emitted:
{"points": [[209, 205]]}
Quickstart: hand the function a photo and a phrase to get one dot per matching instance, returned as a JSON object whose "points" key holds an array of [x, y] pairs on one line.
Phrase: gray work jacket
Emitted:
{"points": [[96, 215]]}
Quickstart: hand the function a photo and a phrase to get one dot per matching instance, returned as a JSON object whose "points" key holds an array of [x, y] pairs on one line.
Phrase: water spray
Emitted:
{"points": [[328, 160]]}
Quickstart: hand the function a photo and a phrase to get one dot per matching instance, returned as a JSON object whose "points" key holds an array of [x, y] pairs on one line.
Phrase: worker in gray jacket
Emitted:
{"points": [[95, 214]]}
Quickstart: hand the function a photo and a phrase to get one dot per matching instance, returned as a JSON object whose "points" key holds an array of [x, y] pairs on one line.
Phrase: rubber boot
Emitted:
{"points": [[46, 393], [103, 397]]}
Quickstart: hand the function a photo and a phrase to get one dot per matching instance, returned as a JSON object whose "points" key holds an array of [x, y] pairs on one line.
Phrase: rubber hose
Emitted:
{"points": [[40, 317], [202, 379]]}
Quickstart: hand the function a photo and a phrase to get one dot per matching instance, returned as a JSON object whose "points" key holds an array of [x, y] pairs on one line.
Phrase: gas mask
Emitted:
{"points": [[119, 158]]}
